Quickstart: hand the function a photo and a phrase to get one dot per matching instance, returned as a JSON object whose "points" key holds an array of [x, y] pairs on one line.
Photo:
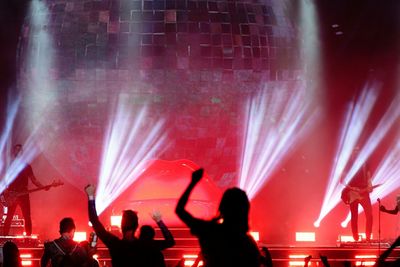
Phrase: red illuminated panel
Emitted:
{"points": [[159, 187]]}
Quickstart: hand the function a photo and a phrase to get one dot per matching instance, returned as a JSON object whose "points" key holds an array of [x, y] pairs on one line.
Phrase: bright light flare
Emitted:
{"points": [[115, 220], [275, 120], [255, 235], [365, 260], [26, 256], [189, 260], [297, 259], [356, 118], [346, 238], [305, 236], [131, 141], [80, 236]]}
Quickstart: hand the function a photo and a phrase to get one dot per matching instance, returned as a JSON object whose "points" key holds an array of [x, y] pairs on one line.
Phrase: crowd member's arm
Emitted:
{"points": [[307, 260], [98, 227], [168, 238], [324, 260], [180, 210], [386, 253]]}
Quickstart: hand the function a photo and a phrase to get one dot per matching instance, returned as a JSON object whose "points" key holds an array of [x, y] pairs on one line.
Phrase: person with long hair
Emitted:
{"points": [[224, 240]]}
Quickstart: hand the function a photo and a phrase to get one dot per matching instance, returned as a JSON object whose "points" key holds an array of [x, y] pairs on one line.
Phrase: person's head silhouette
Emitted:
{"points": [[234, 209], [147, 232], [129, 221], [67, 228], [11, 256]]}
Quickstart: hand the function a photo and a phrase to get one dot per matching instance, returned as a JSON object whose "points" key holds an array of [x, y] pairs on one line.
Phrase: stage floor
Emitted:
{"points": [[358, 253], [282, 256]]}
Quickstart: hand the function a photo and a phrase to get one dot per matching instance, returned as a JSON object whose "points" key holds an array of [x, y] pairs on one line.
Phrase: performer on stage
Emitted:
{"points": [[19, 188], [393, 211], [358, 190]]}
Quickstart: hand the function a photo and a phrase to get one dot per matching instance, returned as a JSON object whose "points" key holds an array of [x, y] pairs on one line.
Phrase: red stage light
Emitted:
{"points": [[365, 260], [26, 263]]}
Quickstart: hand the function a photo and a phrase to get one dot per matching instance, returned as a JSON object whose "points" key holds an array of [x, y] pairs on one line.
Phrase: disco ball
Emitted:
{"points": [[192, 62]]}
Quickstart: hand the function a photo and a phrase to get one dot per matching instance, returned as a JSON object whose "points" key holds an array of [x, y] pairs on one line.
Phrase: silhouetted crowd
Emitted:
{"points": [[224, 240]]}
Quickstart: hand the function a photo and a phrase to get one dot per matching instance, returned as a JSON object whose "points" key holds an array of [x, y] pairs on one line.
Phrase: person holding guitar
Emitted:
{"points": [[17, 188], [357, 192]]}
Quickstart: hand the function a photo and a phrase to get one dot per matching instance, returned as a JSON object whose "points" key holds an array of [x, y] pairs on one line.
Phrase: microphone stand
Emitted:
{"points": [[379, 227]]}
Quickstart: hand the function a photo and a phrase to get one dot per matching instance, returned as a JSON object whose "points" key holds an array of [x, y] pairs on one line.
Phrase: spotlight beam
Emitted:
{"points": [[355, 121], [129, 144], [276, 120], [12, 110], [384, 125]]}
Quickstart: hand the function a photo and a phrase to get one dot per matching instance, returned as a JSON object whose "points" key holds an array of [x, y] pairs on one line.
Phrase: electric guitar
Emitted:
{"points": [[351, 194], [7, 198]]}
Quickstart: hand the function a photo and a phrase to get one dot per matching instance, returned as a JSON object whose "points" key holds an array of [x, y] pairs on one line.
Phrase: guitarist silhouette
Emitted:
{"points": [[357, 192], [20, 184]]}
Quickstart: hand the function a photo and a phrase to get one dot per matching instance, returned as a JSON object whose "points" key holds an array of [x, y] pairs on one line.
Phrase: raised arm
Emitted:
{"points": [[180, 210], [393, 211], [98, 227], [168, 238]]}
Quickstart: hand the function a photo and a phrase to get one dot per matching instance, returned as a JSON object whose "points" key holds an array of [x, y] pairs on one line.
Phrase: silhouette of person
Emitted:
{"points": [[11, 256], [128, 251], [224, 240], [146, 236], [357, 192], [64, 251], [19, 188]]}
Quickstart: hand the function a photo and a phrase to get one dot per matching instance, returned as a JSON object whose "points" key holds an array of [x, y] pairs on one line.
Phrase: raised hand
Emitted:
{"points": [[197, 175], [156, 215], [90, 190]]}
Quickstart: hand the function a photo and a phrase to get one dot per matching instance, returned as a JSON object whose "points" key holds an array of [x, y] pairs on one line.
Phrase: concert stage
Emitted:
{"points": [[359, 253]]}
